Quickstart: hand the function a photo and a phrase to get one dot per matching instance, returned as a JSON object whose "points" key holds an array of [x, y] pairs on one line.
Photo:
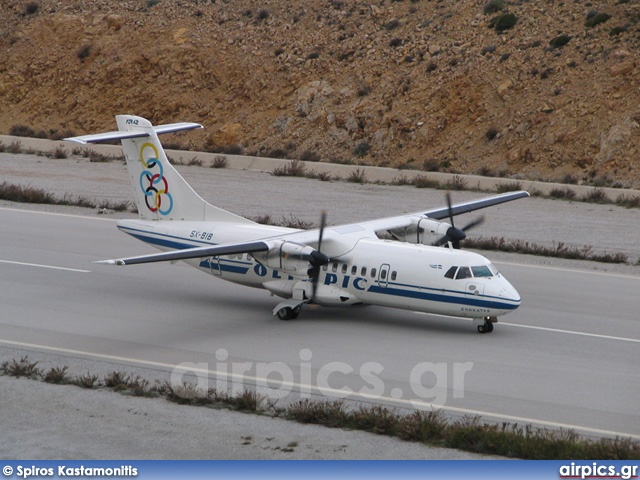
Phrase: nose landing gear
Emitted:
{"points": [[485, 325]]}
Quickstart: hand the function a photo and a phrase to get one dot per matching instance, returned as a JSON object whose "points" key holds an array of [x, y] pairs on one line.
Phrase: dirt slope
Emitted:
{"points": [[419, 83]]}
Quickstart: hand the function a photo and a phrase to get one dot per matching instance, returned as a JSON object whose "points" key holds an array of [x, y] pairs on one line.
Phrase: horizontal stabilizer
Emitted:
{"points": [[198, 252], [105, 137], [120, 135], [176, 127]]}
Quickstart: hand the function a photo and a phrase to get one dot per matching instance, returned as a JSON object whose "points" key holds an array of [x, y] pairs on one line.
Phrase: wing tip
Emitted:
{"points": [[109, 262], [75, 140]]}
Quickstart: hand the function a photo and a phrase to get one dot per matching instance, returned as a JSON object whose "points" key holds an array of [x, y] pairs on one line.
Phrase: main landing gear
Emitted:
{"points": [[289, 313], [485, 325]]}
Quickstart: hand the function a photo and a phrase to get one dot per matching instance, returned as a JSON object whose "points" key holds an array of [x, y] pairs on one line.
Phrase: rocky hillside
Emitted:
{"points": [[549, 91]]}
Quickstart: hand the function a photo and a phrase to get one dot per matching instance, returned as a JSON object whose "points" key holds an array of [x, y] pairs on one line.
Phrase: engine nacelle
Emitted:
{"points": [[289, 257], [423, 230]]}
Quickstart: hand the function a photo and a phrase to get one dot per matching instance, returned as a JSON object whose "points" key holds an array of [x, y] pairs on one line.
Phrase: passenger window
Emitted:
{"points": [[373, 273], [464, 272], [363, 272], [451, 272], [325, 267], [344, 268], [334, 267], [394, 275], [354, 270], [383, 274]]}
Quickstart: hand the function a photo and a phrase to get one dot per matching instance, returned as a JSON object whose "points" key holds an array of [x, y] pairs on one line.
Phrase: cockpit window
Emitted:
{"points": [[481, 271], [468, 272], [463, 272], [451, 272]]}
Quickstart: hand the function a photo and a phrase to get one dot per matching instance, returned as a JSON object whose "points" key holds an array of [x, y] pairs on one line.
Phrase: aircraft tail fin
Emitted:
{"points": [[160, 191]]}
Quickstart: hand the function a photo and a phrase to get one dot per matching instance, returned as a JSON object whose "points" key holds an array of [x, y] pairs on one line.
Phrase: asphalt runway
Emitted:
{"points": [[568, 357]]}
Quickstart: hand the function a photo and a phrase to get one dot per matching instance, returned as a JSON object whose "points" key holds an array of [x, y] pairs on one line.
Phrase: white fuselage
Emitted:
{"points": [[368, 271]]}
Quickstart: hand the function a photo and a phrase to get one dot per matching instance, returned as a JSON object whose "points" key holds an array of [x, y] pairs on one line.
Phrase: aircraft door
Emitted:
{"points": [[214, 265], [383, 275]]}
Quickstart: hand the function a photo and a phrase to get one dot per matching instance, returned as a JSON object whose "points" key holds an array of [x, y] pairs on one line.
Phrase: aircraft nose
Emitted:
{"points": [[508, 292]]}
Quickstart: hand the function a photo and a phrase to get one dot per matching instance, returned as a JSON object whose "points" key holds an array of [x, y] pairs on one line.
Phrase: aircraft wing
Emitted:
{"points": [[441, 213], [197, 252], [338, 239], [401, 221]]}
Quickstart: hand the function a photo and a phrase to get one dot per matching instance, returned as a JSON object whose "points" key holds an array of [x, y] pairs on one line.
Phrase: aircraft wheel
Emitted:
{"points": [[487, 327], [288, 313]]}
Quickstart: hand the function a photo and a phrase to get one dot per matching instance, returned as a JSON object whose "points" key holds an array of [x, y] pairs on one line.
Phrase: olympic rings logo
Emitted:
{"points": [[154, 185]]}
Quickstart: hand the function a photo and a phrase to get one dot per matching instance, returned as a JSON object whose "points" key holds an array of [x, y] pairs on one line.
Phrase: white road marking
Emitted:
{"points": [[534, 327], [45, 266], [261, 381], [572, 270], [571, 332], [59, 214]]}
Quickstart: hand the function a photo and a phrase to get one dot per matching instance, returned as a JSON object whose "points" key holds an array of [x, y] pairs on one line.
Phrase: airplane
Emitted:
{"points": [[420, 268]]}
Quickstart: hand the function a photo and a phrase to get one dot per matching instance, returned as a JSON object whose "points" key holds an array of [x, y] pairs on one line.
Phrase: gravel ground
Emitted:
{"points": [[46, 422]]}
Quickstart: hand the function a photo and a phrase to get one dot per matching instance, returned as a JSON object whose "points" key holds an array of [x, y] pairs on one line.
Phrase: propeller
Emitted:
{"points": [[456, 235], [317, 259]]}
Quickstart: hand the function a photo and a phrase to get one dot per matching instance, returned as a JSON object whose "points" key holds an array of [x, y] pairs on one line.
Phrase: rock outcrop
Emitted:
{"points": [[424, 84]]}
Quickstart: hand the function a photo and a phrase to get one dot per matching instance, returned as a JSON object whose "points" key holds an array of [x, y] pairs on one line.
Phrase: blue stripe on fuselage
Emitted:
{"points": [[171, 242], [444, 290], [476, 302], [161, 242], [223, 267], [181, 246]]}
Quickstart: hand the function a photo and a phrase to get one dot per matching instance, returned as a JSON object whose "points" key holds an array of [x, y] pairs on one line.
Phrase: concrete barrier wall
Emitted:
{"points": [[373, 174]]}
